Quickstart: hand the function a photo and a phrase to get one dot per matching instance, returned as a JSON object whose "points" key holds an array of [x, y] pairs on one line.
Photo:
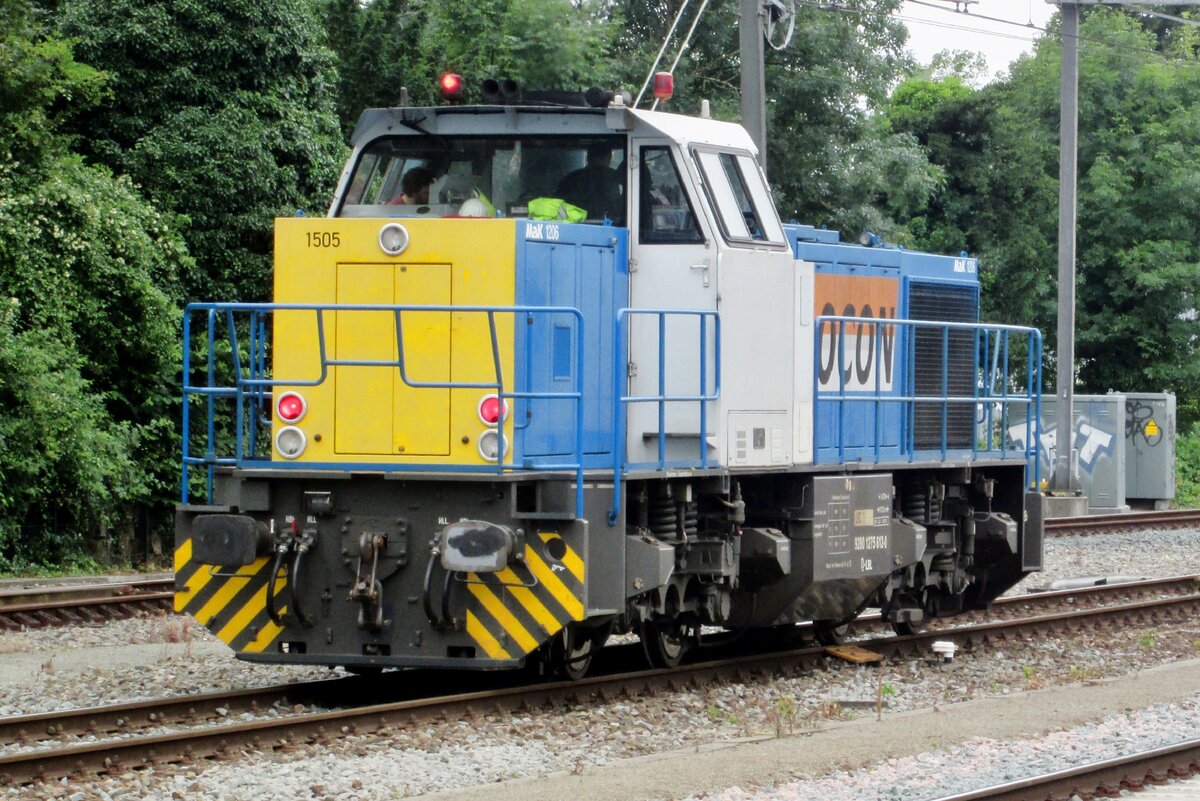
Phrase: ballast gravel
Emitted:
{"points": [[984, 762], [48, 669], [459, 754], [1146, 553]]}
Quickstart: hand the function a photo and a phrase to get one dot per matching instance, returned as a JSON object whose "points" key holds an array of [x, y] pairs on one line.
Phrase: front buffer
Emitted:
{"points": [[368, 571]]}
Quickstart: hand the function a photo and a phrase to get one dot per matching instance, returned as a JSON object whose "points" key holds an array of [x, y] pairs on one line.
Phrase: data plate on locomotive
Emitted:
{"points": [[851, 526]]}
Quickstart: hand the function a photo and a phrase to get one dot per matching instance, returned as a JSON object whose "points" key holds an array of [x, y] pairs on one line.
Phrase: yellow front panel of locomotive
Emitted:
{"points": [[368, 413]]}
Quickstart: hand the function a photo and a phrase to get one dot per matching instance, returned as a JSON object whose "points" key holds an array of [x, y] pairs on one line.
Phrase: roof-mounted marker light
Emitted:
{"points": [[291, 407], [393, 239], [451, 85], [664, 86]]}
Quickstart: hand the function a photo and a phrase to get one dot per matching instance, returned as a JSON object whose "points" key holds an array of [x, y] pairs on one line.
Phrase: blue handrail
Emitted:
{"points": [[995, 340], [621, 401], [251, 385]]}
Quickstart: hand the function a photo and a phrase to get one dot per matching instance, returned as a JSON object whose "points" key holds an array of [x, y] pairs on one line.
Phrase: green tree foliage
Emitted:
{"points": [[383, 45], [41, 86], [88, 317], [221, 111], [378, 47], [1138, 240], [543, 44]]}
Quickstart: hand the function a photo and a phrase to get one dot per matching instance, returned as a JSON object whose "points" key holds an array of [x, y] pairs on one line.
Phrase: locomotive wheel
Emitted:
{"points": [[916, 601], [575, 649], [364, 670], [666, 643], [831, 632]]}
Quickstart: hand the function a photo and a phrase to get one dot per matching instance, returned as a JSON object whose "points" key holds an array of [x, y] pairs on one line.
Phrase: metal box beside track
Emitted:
{"points": [[1150, 447], [1099, 443]]}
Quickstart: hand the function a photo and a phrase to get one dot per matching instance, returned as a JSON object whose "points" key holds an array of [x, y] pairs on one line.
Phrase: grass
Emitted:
{"points": [[79, 566], [1187, 469]]}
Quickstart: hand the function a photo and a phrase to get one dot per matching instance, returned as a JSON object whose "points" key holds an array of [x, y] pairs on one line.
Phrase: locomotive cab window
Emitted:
{"points": [[665, 214], [410, 176], [739, 197]]}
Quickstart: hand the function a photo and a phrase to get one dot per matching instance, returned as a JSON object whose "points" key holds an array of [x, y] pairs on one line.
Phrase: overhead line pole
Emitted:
{"points": [[754, 81], [1064, 461], [1067, 173]]}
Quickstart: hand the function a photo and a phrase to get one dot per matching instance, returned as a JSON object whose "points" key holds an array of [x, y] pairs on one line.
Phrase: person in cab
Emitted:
{"points": [[596, 186], [414, 187]]}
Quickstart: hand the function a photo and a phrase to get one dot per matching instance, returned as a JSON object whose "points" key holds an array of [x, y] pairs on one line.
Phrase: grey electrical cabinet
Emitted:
{"points": [[1099, 443], [1150, 448]]}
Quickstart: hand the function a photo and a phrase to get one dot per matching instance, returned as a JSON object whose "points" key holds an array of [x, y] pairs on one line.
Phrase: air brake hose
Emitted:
{"points": [[297, 594], [272, 612], [426, 593], [447, 617]]}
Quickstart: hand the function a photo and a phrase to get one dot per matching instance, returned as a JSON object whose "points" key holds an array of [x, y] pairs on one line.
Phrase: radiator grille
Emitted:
{"points": [[956, 304]]}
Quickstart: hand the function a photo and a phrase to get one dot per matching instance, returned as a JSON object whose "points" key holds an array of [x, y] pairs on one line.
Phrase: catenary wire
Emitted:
{"points": [[661, 50], [1167, 58]]}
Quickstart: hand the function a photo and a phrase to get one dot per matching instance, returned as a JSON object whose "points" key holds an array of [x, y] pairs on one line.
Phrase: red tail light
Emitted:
{"points": [[492, 409], [291, 407]]}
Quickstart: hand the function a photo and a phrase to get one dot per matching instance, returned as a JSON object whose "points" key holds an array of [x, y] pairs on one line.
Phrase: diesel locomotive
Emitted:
{"points": [[590, 383]]}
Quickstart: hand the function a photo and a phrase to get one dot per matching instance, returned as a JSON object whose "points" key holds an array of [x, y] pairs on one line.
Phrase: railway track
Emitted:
{"points": [[228, 737], [1105, 779], [1131, 521], [38, 607]]}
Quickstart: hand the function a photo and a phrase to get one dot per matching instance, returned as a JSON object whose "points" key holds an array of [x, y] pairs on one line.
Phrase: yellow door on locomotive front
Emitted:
{"points": [[375, 413]]}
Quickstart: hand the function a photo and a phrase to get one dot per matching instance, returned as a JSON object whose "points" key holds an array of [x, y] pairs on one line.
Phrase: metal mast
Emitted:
{"points": [[754, 82], [1067, 168]]}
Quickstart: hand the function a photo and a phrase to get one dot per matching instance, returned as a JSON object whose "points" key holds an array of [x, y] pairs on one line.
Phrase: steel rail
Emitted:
{"points": [[1097, 779], [38, 607], [225, 741], [1171, 518], [71, 592], [114, 718], [124, 717]]}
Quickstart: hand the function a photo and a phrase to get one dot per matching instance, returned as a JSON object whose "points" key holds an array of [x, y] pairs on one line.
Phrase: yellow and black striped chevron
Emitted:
{"points": [[512, 612], [230, 602]]}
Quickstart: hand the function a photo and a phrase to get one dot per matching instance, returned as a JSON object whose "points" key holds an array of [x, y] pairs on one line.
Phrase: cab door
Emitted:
{"points": [[673, 265]]}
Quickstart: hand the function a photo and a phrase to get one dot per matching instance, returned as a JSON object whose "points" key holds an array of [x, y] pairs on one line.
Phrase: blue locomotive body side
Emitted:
{"points": [[885, 362]]}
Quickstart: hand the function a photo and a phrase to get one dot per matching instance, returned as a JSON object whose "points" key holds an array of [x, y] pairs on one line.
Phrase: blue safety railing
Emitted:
{"points": [[992, 382], [622, 401], [249, 386]]}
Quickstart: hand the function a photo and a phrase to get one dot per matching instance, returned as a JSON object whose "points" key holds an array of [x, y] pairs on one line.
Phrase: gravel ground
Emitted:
{"points": [[189, 660], [462, 754], [984, 762], [1148, 554]]}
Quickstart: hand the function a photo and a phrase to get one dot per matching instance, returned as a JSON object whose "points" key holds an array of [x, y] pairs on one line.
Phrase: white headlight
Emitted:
{"points": [[290, 442], [393, 239], [489, 444]]}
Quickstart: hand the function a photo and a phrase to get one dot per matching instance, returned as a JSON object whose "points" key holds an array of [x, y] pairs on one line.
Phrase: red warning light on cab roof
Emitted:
{"points": [[664, 85], [451, 85]]}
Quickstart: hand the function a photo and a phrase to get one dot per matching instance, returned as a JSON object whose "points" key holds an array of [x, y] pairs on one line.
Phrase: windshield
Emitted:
{"points": [[435, 176]]}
